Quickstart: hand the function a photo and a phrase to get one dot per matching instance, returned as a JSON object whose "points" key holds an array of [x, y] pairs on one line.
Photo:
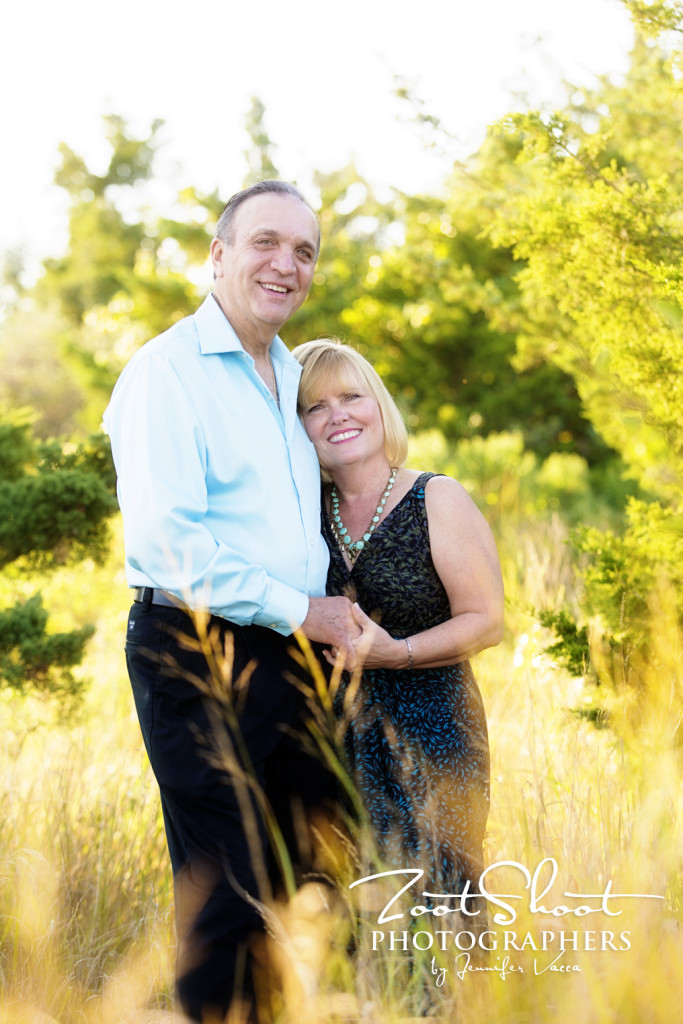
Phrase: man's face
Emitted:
{"points": [[264, 275]]}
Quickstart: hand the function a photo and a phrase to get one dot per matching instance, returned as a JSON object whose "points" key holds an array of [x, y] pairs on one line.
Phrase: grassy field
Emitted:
{"points": [[86, 916]]}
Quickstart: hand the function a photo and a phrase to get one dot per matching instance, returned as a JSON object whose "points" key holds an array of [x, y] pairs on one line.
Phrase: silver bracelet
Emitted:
{"points": [[410, 653]]}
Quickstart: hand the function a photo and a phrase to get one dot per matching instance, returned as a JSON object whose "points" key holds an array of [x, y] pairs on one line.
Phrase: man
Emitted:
{"points": [[220, 493]]}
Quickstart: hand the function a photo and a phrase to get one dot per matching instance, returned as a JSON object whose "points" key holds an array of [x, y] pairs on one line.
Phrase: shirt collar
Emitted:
{"points": [[216, 334]]}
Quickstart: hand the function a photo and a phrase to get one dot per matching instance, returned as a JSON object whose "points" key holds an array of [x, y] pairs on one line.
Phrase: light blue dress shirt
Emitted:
{"points": [[219, 489]]}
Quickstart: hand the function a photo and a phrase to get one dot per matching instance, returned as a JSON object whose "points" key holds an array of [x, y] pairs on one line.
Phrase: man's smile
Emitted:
{"points": [[279, 288]]}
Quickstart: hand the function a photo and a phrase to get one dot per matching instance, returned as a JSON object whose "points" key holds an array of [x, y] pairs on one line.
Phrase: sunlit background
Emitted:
{"points": [[327, 74], [526, 310]]}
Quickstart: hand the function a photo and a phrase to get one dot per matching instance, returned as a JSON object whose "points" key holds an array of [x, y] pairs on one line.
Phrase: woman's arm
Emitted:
{"points": [[465, 557]]}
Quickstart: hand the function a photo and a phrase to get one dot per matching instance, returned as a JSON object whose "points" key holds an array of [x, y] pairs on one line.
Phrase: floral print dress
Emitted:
{"points": [[416, 740]]}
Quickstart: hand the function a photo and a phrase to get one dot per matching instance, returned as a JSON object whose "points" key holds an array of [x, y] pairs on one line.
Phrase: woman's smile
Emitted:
{"points": [[344, 435]]}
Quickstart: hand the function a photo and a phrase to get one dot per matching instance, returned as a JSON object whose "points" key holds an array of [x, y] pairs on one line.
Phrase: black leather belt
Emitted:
{"points": [[151, 595]]}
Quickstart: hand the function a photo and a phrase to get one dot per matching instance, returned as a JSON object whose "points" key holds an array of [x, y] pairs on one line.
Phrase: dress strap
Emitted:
{"points": [[422, 481]]}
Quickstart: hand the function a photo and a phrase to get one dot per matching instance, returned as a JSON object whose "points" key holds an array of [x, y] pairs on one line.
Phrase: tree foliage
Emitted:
{"points": [[260, 154], [424, 319], [597, 231], [30, 655], [103, 243], [413, 281], [532, 307], [54, 504], [126, 274]]}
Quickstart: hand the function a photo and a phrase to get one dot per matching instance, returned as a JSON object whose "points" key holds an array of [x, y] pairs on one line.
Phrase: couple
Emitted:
{"points": [[211, 427]]}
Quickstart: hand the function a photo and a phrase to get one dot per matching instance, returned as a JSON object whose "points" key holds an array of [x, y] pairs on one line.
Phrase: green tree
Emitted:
{"points": [[54, 506], [260, 154], [34, 374], [103, 244], [126, 274], [597, 232], [352, 224], [414, 283], [600, 289], [425, 315]]}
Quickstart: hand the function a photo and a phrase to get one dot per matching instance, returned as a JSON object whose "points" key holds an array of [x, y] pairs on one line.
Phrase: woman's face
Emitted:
{"points": [[345, 425]]}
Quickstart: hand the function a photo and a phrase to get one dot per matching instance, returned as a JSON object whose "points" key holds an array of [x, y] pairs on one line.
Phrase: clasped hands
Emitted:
{"points": [[349, 636], [368, 646]]}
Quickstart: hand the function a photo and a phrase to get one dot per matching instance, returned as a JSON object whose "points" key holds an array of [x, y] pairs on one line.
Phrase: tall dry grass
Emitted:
{"points": [[86, 919]]}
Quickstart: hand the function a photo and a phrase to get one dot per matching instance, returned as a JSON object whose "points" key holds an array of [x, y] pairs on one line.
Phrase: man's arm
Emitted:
{"points": [[161, 458]]}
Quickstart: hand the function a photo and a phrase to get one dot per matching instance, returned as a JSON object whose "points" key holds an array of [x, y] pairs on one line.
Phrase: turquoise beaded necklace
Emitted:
{"points": [[341, 534]]}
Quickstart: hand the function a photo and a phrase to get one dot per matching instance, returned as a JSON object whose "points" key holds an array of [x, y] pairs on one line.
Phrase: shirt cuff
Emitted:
{"points": [[285, 609]]}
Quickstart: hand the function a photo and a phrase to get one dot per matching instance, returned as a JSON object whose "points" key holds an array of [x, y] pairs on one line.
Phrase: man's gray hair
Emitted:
{"points": [[225, 225]]}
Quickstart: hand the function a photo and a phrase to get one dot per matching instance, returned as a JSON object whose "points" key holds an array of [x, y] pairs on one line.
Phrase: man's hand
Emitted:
{"points": [[330, 621]]}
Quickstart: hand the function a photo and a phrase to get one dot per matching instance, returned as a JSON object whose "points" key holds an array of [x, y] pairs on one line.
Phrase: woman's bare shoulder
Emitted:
{"points": [[442, 488]]}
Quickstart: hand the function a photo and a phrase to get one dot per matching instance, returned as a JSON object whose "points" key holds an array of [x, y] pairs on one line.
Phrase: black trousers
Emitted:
{"points": [[212, 748]]}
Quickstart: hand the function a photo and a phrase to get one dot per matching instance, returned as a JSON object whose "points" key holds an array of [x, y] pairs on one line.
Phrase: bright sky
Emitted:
{"points": [[325, 72]]}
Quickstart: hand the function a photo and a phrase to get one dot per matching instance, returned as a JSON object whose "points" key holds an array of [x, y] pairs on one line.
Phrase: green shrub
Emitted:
{"points": [[55, 501], [621, 576]]}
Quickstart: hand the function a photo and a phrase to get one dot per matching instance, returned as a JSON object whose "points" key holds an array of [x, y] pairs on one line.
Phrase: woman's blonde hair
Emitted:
{"points": [[328, 361]]}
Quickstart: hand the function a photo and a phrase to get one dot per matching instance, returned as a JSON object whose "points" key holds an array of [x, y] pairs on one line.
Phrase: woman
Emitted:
{"points": [[417, 556]]}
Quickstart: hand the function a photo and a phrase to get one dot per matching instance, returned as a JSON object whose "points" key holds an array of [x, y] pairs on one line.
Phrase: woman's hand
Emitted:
{"points": [[375, 648]]}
